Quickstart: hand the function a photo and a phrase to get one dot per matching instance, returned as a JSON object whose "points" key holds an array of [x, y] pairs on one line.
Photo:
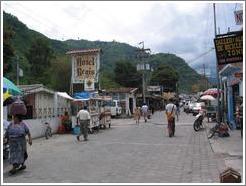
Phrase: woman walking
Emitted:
{"points": [[16, 136]]}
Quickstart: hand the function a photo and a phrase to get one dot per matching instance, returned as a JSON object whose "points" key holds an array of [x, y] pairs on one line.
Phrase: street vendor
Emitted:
{"points": [[66, 122]]}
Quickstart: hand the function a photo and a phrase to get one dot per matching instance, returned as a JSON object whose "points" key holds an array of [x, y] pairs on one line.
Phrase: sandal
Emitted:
{"points": [[22, 167], [13, 171]]}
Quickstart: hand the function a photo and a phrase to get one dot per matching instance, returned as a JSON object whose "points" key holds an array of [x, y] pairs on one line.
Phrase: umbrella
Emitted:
{"points": [[4, 88], [9, 100], [11, 87], [6, 95], [212, 91], [207, 97]]}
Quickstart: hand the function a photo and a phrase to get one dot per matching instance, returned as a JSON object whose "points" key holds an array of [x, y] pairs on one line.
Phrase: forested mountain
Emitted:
{"points": [[54, 69]]}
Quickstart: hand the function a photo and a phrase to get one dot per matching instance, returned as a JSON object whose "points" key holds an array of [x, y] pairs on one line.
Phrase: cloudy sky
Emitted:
{"points": [[183, 28]]}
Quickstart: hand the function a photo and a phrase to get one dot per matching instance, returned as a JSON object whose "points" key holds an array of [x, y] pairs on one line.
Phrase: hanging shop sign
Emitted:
{"points": [[85, 66], [89, 85], [229, 48]]}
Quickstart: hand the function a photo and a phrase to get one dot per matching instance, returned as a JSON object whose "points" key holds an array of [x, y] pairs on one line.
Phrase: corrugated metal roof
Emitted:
{"points": [[92, 50], [122, 90], [34, 88]]}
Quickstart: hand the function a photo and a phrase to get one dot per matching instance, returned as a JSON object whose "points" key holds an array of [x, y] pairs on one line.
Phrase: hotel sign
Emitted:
{"points": [[85, 67]]}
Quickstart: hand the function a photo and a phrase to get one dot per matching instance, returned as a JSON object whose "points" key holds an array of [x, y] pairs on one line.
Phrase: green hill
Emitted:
{"points": [[112, 52]]}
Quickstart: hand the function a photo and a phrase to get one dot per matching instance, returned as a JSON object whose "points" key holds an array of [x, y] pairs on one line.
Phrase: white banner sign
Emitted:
{"points": [[238, 17], [153, 88]]}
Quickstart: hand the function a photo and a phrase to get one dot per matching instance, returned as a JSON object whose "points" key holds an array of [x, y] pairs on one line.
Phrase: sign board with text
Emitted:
{"points": [[85, 66], [229, 49]]}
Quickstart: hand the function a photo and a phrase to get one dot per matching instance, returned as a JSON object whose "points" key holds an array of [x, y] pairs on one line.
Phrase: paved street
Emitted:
{"points": [[124, 153]]}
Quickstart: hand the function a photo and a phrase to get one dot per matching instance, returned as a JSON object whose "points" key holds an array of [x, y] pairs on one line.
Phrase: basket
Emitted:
{"points": [[18, 107]]}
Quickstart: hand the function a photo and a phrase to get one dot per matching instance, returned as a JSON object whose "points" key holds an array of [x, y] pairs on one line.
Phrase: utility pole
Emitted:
{"points": [[205, 78], [17, 70], [217, 70], [141, 54]]}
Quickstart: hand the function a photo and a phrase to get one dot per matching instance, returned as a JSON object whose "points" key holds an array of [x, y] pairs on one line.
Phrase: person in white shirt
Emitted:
{"points": [[170, 113], [83, 117], [145, 110]]}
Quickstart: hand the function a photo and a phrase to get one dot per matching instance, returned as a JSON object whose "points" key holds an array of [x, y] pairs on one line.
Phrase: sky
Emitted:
{"points": [[182, 28]]}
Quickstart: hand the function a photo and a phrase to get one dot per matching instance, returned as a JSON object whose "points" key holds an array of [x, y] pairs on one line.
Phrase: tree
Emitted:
{"points": [[107, 80], [126, 74], [8, 50], [60, 74], [166, 76], [39, 56]]}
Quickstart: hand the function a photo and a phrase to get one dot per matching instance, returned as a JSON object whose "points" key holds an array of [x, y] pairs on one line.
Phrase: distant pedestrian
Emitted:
{"points": [[145, 111], [83, 117], [170, 113], [137, 114], [66, 122], [177, 109]]}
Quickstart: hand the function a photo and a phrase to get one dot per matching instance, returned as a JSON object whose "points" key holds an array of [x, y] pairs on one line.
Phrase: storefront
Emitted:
{"points": [[232, 87], [127, 98]]}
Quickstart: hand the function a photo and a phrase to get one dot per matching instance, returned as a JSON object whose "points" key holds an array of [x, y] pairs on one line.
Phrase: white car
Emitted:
{"points": [[115, 107]]}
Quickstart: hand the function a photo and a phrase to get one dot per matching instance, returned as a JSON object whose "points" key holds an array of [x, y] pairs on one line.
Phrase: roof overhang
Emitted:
{"points": [[84, 51], [229, 70]]}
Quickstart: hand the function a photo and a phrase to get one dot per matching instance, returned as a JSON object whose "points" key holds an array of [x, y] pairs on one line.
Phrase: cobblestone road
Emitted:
{"points": [[125, 153]]}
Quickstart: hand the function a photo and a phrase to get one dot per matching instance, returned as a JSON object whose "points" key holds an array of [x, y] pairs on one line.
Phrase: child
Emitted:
{"points": [[137, 114]]}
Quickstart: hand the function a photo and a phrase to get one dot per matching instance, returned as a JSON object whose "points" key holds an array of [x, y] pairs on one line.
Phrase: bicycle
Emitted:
{"points": [[48, 130], [220, 128]]}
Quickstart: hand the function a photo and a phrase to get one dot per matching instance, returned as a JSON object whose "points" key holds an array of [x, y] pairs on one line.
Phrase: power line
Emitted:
{"points": [[201, 55]]}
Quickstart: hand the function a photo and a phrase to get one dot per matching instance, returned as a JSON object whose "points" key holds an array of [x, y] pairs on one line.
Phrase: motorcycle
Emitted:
{"points": [[198, 123]]}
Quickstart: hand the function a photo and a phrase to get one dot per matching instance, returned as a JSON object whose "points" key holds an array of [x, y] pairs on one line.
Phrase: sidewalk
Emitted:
{"points": [[229, 148]]}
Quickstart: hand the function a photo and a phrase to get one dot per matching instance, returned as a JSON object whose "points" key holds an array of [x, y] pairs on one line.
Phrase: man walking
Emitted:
{"points": [[83, 117], [170, 112], [145, 110]]}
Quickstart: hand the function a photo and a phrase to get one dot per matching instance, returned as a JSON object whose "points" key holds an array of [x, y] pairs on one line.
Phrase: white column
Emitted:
{"points": [[55, 104], [241, 88], [127, 105]]}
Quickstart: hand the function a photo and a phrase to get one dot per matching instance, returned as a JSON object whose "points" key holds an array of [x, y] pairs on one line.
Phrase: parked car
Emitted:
{"points": [[191, 106], [114, 107], [197, 107]]}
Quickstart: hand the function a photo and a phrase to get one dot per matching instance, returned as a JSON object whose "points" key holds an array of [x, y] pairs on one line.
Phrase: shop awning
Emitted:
{"points": [[65, 95], [82, 96]]}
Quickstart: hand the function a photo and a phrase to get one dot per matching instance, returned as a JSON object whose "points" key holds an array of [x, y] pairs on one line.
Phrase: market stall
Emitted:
{"points": [[105, 112]]}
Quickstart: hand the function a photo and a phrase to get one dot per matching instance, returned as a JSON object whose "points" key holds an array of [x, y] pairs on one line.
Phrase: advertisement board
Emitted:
{"points": [[229, 48]]}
